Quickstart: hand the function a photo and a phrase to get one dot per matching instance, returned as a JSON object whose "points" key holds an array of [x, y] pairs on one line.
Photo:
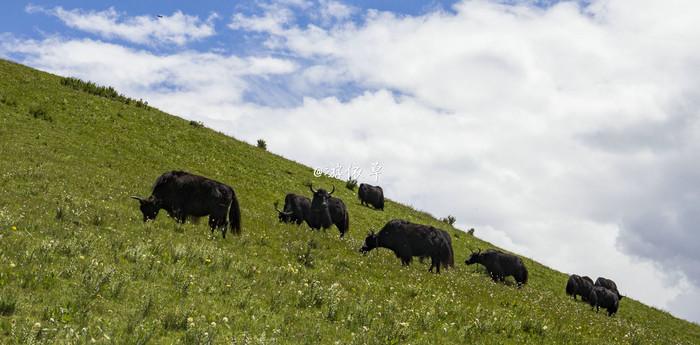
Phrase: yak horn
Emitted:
{"points": [[312, 188], [280, 211], [136, 197], [276, 204], [332, 190]]}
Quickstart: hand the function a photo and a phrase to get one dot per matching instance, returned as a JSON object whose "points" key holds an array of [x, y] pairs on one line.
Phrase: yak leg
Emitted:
{"points": [[212, 222], [180, 215], [434, 262]]}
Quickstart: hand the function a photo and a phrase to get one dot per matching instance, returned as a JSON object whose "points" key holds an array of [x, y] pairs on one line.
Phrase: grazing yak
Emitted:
{"points": [[296, 209], [326, 210], [601, 297], [371, 195], [184, 195], [407, 240], [578, 285], [608, 284], [500, 265]]}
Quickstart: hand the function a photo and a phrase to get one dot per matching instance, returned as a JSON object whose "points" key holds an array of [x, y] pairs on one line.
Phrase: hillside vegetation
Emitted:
{"points": [[78, 265]]}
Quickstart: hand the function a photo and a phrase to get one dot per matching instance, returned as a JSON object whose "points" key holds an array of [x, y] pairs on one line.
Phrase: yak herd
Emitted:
{"points": [[603, 293], [184, 195]]}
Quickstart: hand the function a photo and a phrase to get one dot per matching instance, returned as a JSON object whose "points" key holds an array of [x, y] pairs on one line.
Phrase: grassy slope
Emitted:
{"points": [[83, 265]]}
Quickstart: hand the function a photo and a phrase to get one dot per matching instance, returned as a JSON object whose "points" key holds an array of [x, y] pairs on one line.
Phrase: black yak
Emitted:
{"points": [[296, 209], [184, 195], [580, 286], [407, 240], [608, 284], [371, 195], [602, 297], [326, 210], [500, 265]]}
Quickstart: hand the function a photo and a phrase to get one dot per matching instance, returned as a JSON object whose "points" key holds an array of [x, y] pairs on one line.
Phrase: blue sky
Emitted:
{"points": [[15, 19], [572, 127]]}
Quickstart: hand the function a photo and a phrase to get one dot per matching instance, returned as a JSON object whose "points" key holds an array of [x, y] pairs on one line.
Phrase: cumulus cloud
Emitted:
{"points": [[567, 133], [178, 28]]}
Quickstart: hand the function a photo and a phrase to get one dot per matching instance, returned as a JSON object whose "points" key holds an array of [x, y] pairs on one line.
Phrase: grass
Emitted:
{"points": [[77, 264]]}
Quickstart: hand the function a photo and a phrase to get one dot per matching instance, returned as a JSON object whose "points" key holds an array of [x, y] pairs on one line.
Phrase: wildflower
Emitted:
{"points": [[37, 325], [14, 228], [82, 257], [213, 324], [225, 319], [12, 265], [190, 319], [207, 260], [544, 328]]}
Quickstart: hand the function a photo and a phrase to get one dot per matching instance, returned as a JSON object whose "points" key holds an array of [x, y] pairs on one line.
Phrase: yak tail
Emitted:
{"points": [[347, 221], [451, 260], [447, 257], [571, 288], [234, 216], [524, 274]]}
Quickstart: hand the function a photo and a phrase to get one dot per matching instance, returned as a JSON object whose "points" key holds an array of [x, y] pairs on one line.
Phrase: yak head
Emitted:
{"points": [[319, 205], [474, 258], [362, 189], [371, 242], [320, 197], [149, 207], [283, 216]]}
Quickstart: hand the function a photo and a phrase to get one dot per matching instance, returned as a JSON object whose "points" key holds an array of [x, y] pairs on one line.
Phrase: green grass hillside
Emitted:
{"points": [[77, 264]]}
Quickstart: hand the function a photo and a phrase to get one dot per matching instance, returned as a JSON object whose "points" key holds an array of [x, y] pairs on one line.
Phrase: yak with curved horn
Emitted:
{"points": [[296, 209], [326, 211]]}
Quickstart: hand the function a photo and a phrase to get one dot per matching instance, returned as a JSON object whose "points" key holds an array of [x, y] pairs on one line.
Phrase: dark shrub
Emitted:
{"points": [[40, 112], [449, 220], [351, 184]]}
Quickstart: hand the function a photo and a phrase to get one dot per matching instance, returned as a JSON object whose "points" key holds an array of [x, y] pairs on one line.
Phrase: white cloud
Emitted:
{"points": [[178, 28], [567, 134], [331, 10], [273, 21]]}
